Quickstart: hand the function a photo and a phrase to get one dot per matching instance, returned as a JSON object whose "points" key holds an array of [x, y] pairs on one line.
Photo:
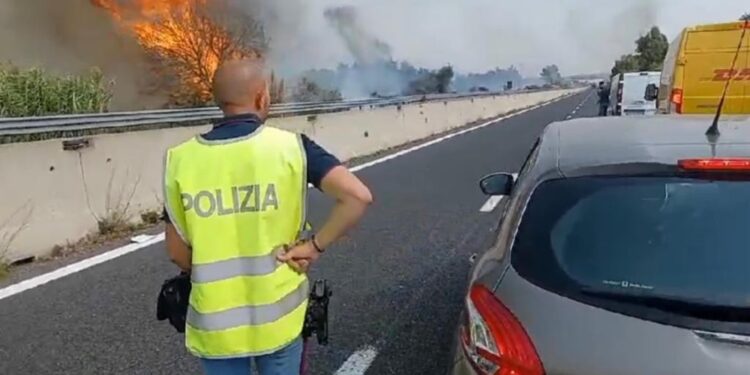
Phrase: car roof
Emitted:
{"points": [[640, 74], [662, 139]]}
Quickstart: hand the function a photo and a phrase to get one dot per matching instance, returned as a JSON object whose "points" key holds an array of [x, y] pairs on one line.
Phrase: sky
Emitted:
{"points": [[580, 36]]}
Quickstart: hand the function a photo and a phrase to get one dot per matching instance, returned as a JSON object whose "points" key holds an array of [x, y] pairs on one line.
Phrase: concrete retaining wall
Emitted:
{"points": [[52, 197]]}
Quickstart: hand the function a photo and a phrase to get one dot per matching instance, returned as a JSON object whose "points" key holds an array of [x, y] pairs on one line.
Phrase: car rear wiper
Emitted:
{"points": [[693, 307]]}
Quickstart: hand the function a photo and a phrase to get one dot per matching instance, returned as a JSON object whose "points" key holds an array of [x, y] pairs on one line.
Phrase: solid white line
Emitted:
{"points": [[116, 253], [358, 362], [491, 203], [76, 267], [437, 140]]}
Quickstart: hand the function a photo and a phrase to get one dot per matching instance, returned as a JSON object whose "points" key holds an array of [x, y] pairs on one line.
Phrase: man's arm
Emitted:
{"points": [[178, 251], [352, 198], [174, 216]]}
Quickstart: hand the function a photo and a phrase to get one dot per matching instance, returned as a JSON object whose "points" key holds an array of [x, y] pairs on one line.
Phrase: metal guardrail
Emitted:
{"points": [[32, 125]]}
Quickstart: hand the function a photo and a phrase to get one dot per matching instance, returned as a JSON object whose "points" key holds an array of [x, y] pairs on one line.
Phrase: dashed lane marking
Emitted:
{"points": [[491, 203], [358, 362]]}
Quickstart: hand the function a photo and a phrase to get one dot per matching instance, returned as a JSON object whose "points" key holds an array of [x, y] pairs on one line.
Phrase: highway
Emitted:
{"points": [[398, 279]]}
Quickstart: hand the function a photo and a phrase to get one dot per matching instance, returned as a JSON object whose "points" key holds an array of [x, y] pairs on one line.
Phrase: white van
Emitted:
{"points": [[628, 93]]}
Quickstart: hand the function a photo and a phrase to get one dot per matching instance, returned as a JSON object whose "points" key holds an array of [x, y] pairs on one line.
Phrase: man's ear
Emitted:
{"points": [[263, 97]]}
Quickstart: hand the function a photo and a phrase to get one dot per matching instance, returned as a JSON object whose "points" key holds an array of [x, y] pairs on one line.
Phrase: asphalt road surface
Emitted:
{"points": [[398, 280]]}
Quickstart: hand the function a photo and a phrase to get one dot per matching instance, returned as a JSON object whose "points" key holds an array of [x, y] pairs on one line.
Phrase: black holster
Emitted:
{"points": [[173, 301], [316, 318]]}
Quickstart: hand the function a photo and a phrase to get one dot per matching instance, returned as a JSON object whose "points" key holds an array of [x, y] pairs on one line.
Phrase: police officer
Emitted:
{"points": [[235, 207]]}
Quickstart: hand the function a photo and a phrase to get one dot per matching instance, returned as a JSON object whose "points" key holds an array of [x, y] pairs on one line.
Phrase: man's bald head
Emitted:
{"points": [[241, 86]]}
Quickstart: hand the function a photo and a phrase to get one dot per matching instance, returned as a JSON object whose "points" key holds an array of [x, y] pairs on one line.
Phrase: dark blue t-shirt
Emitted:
{"points": [[319, 161]]}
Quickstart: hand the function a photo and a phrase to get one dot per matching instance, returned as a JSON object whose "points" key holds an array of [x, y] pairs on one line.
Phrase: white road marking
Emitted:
{"points": [[76, 267], [116, 253], [438, 140], [491, 203], [358, 362]]}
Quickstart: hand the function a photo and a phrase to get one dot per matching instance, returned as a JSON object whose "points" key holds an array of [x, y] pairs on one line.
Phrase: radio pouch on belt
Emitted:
{"points": [[173, 301]]}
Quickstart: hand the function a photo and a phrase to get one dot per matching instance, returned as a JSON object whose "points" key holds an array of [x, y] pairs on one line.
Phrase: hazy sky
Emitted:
{"points": [[473, 35]]}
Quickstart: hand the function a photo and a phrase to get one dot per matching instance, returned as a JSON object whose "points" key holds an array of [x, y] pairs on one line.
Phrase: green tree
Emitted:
{"points": [[652, 49], [551, 74], [627, 63]]}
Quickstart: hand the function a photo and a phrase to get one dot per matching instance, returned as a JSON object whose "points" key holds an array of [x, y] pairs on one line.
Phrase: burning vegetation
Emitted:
{"points": [[185, 40]]}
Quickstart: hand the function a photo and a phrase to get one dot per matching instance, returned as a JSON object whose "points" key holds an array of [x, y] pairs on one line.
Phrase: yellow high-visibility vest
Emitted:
{"points": [[236, 203]]}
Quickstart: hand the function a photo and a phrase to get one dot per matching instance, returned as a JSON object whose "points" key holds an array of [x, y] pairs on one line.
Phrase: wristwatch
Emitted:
{"points": [[316, 246]]}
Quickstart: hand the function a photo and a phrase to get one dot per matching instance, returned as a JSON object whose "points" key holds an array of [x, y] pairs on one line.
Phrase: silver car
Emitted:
{"points": [[623, 248]]}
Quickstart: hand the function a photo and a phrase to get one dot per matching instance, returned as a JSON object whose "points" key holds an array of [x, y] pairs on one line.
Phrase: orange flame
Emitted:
{"points": [[183, 35]]}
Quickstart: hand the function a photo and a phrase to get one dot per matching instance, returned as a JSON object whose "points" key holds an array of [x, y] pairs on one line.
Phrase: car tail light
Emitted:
{"points": [[715, 165], [677, 99], [493, 339]]}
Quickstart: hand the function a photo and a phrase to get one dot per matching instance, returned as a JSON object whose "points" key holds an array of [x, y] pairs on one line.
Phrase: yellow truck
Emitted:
{"points": [[698, 65]]}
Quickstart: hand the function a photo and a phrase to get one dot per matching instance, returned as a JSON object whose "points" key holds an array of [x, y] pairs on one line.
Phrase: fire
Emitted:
{"points": [[188, 37]]}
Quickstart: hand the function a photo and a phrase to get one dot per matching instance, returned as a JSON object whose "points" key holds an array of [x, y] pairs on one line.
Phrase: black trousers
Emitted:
{"points": [[603, 109]]}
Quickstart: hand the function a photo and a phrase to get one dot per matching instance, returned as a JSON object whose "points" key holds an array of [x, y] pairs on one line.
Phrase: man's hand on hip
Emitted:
{"points": [[300, 256]]}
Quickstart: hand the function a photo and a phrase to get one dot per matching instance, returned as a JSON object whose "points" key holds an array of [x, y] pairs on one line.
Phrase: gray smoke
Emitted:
{"points": [[473, 35], [364, 47], [597, 39]]}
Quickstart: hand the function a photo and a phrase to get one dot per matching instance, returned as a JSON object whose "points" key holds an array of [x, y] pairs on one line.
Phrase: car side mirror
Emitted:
{"points": [[497, 184], [652, 92]]}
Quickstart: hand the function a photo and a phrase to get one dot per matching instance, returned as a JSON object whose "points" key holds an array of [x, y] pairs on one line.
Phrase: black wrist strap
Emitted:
{"points": [[315, 244]]}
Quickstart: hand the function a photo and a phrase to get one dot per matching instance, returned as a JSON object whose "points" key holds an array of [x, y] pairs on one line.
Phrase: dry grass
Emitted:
{"points": [[4, 270], [151, 217], [110, 229], [8, 235]]}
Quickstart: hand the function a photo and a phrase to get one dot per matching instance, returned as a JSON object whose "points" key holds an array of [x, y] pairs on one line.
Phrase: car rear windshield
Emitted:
{"points": [[668, 236]]}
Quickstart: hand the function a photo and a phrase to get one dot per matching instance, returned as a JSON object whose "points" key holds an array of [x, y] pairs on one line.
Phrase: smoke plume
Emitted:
{"points": [[364, 47], [596, 38]]}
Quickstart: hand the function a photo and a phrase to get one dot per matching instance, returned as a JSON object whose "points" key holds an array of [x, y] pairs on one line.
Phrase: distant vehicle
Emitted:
{"points": [[628, 94], [621, 249], [698, 65], [479, 89]]}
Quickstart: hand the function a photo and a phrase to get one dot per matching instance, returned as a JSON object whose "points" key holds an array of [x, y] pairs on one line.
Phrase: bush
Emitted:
{"points": [[35, 92], [309, 91], [434, 82]]}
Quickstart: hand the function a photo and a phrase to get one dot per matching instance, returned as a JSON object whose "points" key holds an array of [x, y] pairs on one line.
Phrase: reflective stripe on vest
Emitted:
{"points": [[249, 315], [239, 203], [243, 266]]}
